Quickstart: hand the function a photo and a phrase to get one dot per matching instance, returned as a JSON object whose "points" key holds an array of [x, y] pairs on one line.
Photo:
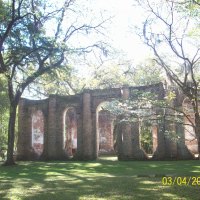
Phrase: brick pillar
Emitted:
{"points": [[170, 144], [52, 124], [182, 151], [127, 140], [119, 141], [130, 136], [160, 150], [24, 147], [88, 139], [22, 127], [138, 153]]}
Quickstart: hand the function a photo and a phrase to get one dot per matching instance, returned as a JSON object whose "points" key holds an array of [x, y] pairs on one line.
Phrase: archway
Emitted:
{"points": [[146, 140], [105, 129], [37, 142], [148, 137], [70, 132]]}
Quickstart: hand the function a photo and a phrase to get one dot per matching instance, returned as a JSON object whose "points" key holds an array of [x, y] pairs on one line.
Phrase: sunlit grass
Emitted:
{"points": [[106, 178]]}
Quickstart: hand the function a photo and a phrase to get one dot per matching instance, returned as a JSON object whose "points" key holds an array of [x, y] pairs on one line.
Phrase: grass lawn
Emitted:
{"points": [[102, 179]]}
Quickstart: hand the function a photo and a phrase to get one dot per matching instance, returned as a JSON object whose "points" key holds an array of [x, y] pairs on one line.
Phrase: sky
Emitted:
{"points": [[126, 16], [120, 31]]}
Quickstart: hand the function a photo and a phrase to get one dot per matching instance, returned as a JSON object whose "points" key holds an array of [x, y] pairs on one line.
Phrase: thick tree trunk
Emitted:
{"points": [[11, 135], [197, 130]]}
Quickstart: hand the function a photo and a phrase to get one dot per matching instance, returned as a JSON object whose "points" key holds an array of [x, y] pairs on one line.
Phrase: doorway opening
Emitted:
{"points": [[148, 137], [70, 132], [105, 129]]}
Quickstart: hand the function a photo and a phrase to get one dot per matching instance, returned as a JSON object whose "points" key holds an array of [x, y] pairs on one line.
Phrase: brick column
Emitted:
{"points": [[127, 139], [24, 148], [88, 139], [170, 144], [138, 153], [183, 152], [128, 142], [160, 150], [52, 123], [119, 141]]}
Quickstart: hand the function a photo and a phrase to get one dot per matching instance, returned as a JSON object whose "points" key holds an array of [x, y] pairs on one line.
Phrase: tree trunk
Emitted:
{"points": [[197, 130], [11, 135]]}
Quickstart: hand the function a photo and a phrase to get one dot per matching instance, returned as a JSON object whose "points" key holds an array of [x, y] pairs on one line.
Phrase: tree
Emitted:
{"points": [[4, 107], [174, 38], [35, 39], [109, 73]]}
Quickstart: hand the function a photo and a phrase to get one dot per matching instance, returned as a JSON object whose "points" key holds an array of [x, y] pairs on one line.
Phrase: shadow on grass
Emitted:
{"points": [[102, 179]]}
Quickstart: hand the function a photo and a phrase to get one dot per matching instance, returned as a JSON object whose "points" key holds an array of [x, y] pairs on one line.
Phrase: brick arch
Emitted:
{"points": [[85, 104], [97, 98]]}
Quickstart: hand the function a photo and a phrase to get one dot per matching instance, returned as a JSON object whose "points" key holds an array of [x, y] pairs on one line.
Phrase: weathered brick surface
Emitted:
{"points": [[88, 137], [80, 113], [128, 143], [37, 142], [27, 108]]}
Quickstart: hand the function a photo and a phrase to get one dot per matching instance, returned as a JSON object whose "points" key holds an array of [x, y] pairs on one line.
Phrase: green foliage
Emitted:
{"points": [[3, 11], [139, 105], [59, 81], [107, 75], [145, 107], [147, 73], [191, 7], [4, 103], [146, 137], [28, 50], [4, 129], [4, 112], [35, 41]]}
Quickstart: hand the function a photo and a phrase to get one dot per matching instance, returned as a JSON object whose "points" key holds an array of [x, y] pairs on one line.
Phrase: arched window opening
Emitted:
{"points": [[148, 136], [38, 132], [70, 132], [106, 140]]}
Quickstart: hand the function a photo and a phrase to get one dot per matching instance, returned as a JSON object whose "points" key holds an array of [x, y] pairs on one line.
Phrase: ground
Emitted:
{"points": [[105, 178]]}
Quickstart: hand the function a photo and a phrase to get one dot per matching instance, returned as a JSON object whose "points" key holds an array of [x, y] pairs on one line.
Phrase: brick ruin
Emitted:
{"points": [[65, 127]]}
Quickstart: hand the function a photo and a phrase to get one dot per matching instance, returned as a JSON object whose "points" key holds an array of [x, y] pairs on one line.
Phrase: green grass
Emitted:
{"points": [[102, 179]]}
